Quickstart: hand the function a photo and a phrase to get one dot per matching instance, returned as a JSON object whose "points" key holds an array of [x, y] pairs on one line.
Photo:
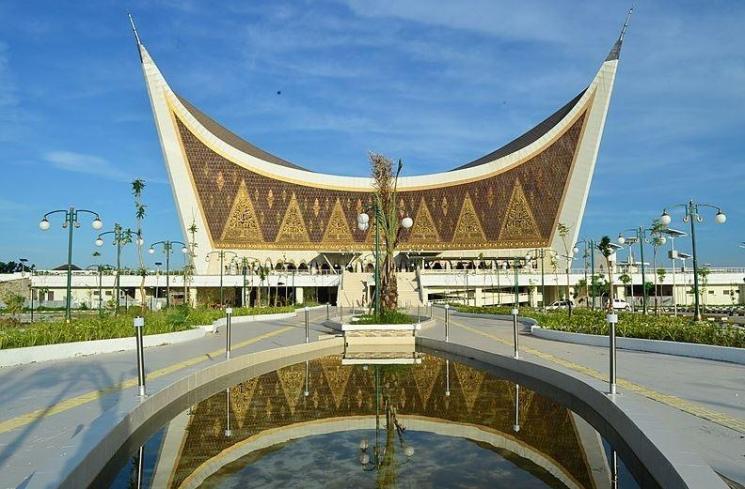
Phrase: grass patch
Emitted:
{"points": [[388, 317], [630, 325], [180, 318]]}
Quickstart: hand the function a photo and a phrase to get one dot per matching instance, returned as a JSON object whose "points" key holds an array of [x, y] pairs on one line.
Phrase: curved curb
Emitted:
{"points": [[654, 454], [63, 351], [120, 430], [525, 321], [692, 350]]}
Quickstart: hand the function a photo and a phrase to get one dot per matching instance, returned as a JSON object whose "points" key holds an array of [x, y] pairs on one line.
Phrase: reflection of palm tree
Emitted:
{"points": [[384, 460]]}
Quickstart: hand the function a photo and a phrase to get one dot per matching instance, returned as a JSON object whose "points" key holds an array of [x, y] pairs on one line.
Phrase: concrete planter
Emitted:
{"points": [[62, 351], [380, 334], [694, 350]]}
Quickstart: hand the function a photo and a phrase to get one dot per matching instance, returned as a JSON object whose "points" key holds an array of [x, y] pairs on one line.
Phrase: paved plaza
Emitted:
{"points": [[47, 405]]}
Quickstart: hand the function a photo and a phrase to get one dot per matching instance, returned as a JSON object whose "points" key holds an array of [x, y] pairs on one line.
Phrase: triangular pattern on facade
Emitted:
{"points": [[519, 223], [424, 229], [337, 230], [468, 229], [425, 378], [470, 383], [242, 224], [337, 376], [293, 229], [292, 379], [240, 400]]}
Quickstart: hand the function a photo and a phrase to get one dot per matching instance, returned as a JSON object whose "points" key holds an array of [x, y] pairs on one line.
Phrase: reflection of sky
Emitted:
{"points": [[331, 461]]}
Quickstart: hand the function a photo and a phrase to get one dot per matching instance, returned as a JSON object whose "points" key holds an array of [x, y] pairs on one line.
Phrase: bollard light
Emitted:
{"points": [[612, 319], [139, 324], [307, 324], [228, 332], [515, 336], [447, 322]]}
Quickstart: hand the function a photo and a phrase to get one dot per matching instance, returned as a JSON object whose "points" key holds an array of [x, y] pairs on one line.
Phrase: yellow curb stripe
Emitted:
{"points": [[722, 419], [77, 401]]}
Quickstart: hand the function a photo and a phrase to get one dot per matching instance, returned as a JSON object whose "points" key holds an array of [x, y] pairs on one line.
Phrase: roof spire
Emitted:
{"points": [[615, 51], [137, 36]]}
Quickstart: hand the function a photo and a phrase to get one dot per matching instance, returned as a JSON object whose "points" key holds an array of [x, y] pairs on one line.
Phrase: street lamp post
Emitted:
{"points": [[221, 254], [674, 255], [121, 237], [692, 215], [71, 222], [167, 250], [641, 237], [515, 308], [589, 244]]}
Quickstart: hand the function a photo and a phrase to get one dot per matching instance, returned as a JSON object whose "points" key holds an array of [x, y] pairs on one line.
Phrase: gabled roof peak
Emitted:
{"points": [[615, 51], [137, 36]]}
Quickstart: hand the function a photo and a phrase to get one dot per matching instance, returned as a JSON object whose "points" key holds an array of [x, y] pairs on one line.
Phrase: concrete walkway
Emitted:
{"points": [[45, 406], [705, 399]]}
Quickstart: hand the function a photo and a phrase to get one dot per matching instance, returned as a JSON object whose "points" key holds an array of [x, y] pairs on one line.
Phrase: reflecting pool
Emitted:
{"points": [[322, 424]]}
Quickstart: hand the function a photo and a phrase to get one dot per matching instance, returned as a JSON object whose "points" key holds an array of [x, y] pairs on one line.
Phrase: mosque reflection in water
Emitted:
{"points": [[319, 423]]}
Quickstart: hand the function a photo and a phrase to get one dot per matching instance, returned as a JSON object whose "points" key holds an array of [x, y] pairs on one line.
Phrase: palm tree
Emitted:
{"points": [[607, 250], [563, 230], [138, 185], [385, 184], [189, 267]]}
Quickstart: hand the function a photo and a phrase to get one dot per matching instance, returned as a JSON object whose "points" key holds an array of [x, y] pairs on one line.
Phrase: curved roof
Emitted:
{"points": [[233, 139], [528, 137], [516, 144]]}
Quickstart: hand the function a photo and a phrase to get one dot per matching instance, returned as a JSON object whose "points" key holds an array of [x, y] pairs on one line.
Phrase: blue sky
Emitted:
{"points": [[434, 83]]}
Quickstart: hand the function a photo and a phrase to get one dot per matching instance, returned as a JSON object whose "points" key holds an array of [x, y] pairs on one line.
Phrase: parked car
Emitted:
{"points": [[562, 304], [621, 305]]}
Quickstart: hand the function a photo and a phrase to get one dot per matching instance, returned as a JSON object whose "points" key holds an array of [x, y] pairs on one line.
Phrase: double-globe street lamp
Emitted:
{"points": [[692, 215], [640, 236], [589, 251], [121, 237], [167, 250], [71, 222], [245, 263], [222, 254], [363, 224]]}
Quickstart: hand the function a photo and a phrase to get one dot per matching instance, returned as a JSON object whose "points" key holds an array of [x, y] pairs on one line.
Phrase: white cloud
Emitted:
{"points": [[84, 163]]}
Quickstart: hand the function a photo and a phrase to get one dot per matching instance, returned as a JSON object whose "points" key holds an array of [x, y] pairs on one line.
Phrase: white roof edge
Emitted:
{"points": [[323, 180]]}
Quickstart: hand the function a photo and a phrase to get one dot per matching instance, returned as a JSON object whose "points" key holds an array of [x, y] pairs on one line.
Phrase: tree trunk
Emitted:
{"points": [[388, 284]]}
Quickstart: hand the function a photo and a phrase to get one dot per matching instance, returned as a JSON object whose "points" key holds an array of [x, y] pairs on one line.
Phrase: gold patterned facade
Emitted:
{"points": [[516, 207]]}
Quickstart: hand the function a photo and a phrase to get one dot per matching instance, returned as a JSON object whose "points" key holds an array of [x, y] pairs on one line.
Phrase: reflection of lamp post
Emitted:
{"points": [[71, 222], [167, 249], [380, 457], [306, 392], [221, 254], [516, 426], [447, 378], [228, 431], [692, 215], [121, 237]]}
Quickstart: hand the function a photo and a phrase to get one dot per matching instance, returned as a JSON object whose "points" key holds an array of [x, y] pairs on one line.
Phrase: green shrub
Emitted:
{"points": [[94, 327], [630, 325], [388, 317]]}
